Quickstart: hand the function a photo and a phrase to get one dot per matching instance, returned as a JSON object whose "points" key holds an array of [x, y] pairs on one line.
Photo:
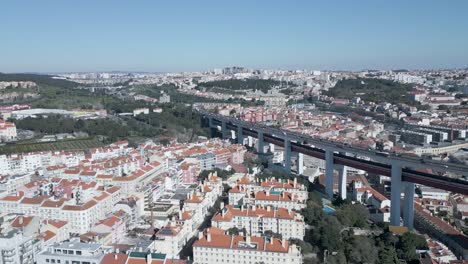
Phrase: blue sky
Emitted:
{"points": [[172, 35]]}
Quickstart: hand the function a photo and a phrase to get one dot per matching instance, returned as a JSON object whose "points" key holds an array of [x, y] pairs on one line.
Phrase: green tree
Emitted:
{"points": [[408, 244], [362, 250], [355, 215], [388, 255]]}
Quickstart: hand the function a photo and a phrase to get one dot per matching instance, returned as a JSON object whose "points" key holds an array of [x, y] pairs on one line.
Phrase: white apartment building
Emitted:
{"points": [[72, 252], [380, 205], [240, 196], [15, 248], [171, 239], [11, 184], [433, 193], [83, 206], [139, 111], [257, 220], [274, 185], [214, 248], [32, 162]]}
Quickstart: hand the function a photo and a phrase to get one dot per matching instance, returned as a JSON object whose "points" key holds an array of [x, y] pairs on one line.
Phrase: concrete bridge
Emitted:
{"points": [[401, 169]]}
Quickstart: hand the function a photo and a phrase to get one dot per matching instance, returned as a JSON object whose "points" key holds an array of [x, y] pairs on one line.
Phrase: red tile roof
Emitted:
{"points": [[22, 221], [114, 258], [234, 242]]}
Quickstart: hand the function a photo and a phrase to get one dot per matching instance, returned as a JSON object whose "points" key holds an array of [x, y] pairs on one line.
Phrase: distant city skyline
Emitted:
{"points": [[176, 36]]}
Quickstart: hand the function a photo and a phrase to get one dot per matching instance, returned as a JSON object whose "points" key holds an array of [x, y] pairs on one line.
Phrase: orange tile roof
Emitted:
{"points": [[194, 199], [22, 221], [101, 197], [245, 180], [34, 200], [234, 242], [56, 223], [113, 189], [114, 258], [261, 195], [104, 176], [186, 215], [228, 212], [54, 203], [110, 221], [12, 198], [82, 207], [46, 235]]}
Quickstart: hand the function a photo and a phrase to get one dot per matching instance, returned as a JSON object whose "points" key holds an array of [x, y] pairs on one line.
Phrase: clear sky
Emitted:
{"points": [[172, 35]]}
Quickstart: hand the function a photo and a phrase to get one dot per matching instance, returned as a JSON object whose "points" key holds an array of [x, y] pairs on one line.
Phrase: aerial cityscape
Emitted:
{"points": [[255, 132]]}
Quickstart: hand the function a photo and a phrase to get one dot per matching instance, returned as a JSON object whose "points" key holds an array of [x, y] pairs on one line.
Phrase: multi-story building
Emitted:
{"points": [[207, 161], [437, 136], [7, 131], [287, 194], [215, 247], [258, 220], [413, 137], [171, 239], [72, 252], [81, 204], [11, 184], [114, 226], [434, 193], [379, 205], [15, 248]]}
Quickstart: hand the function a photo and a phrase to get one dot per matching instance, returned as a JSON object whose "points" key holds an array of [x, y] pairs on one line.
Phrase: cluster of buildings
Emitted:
{"points": [[163, 99], [243, 231], [19, 84], [350, 129], [21, 111], [83, 206]]}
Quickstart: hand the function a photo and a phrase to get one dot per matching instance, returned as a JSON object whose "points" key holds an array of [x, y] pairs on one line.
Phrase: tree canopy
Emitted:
{"points": [[374, 90]]}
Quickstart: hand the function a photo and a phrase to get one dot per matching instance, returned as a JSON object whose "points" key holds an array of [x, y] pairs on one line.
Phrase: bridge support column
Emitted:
{"points": [[240, 136], [342, 181], [250, 141], [300, 163], [329, 173], [224, 130], [287, 155], [395, 195], [408, 206], [260, 143], [233, 134], [272, 147], [210, 122]]}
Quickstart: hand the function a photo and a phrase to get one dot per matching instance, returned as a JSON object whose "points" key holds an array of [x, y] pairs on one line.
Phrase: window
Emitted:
{"points": [[78, 253]]}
